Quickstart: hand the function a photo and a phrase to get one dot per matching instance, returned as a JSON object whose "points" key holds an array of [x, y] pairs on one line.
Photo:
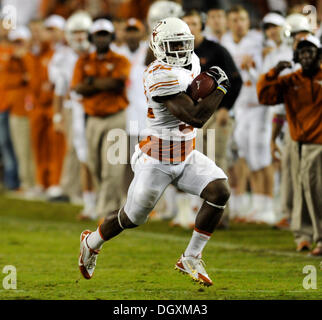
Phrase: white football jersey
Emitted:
{"points": [[160, 79], [61, 68], [251, 44]]}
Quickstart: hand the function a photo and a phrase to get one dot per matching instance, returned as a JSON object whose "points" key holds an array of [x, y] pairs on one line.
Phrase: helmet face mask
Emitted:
{"points": [[78, 40], [172, 42], [77, 24], [178, 52]]}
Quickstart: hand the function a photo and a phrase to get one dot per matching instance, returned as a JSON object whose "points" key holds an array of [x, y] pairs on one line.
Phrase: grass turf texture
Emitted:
{"points": [[246, 262]]}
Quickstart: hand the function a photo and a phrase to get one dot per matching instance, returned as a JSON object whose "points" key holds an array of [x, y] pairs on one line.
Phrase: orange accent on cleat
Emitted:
{"points": [[207, 282], [180, 265], [87, 257], [194, 268], [84, 272]]}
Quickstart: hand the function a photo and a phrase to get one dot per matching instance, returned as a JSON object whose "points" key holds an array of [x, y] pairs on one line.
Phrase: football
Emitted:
{"points": [[201, 87]]}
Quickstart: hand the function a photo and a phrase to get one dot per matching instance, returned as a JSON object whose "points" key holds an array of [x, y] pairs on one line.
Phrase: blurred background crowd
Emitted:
{"points": [[63, 87]]}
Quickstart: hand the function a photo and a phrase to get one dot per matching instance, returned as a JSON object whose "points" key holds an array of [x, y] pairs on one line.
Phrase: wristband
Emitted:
{"points": [[57, 118], [222, 89]]}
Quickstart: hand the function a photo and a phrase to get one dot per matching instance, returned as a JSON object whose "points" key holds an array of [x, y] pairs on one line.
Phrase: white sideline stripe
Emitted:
{"points": [[222, 245]]}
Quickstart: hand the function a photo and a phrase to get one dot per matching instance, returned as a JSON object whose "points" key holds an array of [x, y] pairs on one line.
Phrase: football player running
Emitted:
{"points": [[167, 155]]}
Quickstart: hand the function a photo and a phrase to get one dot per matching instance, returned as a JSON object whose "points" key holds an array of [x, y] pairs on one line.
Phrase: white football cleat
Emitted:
{"points": [[87, 257], [194, 267]]}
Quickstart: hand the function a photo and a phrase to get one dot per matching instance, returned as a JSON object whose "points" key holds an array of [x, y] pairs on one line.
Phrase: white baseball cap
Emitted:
{"points": [[20, 33], [311, 39], [135, 23], [274, 18], [55, 21], [102, 25]]}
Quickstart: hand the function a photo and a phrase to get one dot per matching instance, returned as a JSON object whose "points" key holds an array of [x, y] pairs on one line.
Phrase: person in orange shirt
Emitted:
{"points": [[49, 146], [100, 78], [7, 154], [15, 80], [301, 91]]}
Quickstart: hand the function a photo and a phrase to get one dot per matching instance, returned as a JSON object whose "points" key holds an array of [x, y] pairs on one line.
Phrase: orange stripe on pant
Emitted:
{"points": [[49, 148], [167, 150]]}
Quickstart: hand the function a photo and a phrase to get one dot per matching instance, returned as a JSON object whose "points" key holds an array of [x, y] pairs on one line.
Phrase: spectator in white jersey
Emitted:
{"points": [[253, 128]]}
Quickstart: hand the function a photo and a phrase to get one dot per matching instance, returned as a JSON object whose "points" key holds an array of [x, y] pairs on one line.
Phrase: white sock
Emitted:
{"points": [[198, 241], [246, 201], [95, 240], [270, 214], [269, 204], [242, 205], [258, 201], [89, 198]]}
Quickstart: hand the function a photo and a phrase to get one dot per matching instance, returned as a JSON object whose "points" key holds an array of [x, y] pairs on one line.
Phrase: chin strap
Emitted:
{"points": [[119, 219], [216, 205]]}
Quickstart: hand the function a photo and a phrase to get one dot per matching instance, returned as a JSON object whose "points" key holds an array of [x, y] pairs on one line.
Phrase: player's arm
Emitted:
{"points": [[80, 83], [58, 102], [270, 87], [61, 92], [109, 84], [115, 82], [184, 108], [277, 125], [92, 85], [87, 87]]}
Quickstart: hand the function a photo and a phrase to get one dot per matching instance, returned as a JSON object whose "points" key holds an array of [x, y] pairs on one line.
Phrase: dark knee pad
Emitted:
{"points": [[218, 192], [125, 222]]}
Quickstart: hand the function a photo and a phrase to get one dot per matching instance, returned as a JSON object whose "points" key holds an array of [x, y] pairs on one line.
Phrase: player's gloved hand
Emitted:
{"points": [[219, 76]]}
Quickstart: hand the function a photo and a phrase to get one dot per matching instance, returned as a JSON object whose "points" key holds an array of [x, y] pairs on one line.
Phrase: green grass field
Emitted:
{"points": [[246, 262]]}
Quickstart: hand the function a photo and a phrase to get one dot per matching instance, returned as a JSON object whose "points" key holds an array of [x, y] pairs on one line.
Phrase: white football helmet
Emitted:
{"points": [[296, 22], [79, 21], [172, 42], [163, 9]]}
